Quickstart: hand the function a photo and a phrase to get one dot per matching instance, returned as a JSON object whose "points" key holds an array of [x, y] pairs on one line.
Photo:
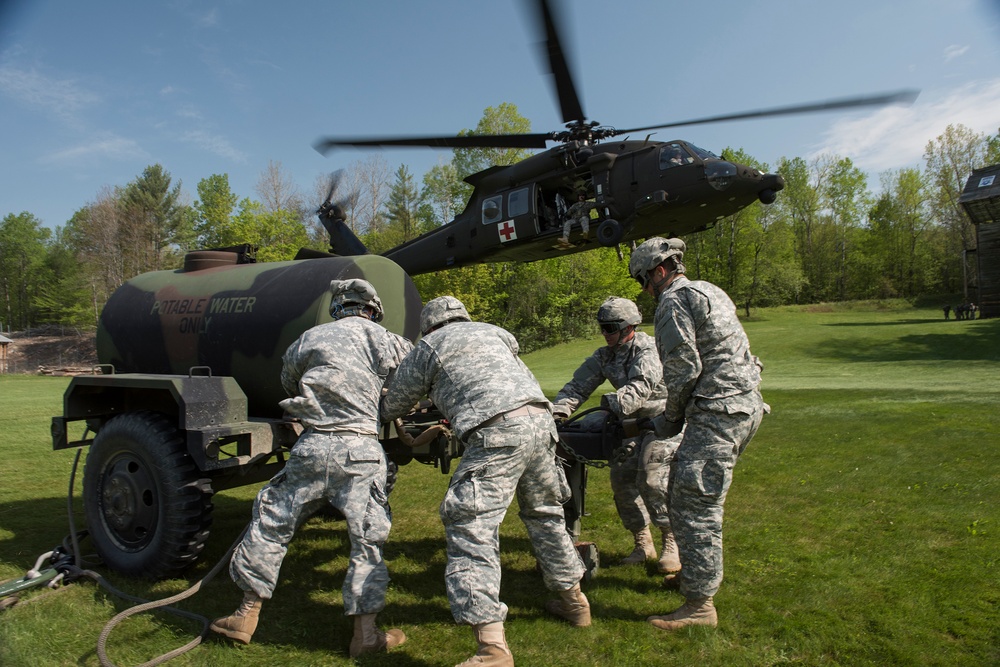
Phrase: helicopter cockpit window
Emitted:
{"points": [[674, 155], [518, 202], [702, 153], [492, 211]]}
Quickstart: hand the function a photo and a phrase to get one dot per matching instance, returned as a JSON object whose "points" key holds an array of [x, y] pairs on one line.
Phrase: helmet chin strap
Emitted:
{"points": [[659, 286], [625, 335]]}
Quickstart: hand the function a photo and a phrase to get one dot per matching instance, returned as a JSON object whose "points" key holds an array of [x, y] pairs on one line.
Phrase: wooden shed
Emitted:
{"points": [[4, 342], [981, 201]]}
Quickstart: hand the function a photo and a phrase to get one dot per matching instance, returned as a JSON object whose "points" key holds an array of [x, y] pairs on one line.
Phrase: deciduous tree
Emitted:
{"points": [[215, 205], [23, 274]]}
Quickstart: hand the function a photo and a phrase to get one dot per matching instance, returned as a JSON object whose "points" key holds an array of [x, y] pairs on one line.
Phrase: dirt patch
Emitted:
{"points": [[51, 351]]}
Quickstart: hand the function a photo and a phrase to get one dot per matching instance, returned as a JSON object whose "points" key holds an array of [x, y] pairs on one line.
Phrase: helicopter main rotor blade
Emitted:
{"points": [[569, 101], [900, 97], [326, 145]]}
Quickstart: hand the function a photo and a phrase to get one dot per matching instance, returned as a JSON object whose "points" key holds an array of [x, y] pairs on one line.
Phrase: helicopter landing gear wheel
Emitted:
{"points": [[147, 507], [609, 233]]}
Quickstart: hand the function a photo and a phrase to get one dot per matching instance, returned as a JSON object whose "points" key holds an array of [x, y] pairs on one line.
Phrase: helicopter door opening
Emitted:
{"points": [[518, 220]]}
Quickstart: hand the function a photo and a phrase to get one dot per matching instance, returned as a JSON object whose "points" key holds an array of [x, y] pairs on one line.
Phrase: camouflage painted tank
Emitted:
{"points": [[238, 319]]}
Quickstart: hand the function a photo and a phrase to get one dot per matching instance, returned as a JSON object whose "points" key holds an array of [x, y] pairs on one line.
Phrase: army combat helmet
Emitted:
{"points": [[440, 311], [616, 314], [351, 297], [652, 253]]}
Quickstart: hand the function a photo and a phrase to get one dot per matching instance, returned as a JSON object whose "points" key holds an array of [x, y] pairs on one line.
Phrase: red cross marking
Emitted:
{"points": [[507, 231]]}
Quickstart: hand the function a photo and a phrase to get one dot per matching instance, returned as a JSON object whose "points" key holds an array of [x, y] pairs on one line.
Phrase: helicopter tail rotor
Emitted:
{"points": [[343, 241]]}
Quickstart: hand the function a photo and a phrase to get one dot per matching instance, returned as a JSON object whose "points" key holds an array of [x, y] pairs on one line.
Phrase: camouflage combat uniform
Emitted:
{"points": [[335, 373], [579, 212], [471, 372], [640, 467], [713, 385]]}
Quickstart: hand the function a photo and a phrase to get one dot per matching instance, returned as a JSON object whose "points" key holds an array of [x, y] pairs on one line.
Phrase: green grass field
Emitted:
{"points": [[862, 527]]}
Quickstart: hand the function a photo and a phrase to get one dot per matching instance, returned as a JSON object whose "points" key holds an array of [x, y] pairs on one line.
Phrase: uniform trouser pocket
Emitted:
{"points": [[474, 591]]}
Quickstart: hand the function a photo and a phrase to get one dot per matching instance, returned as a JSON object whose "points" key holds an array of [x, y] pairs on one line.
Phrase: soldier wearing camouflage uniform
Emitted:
{"points": [[334, 373], [713, 393], [472, 373], [578, 213], [640, 467]]}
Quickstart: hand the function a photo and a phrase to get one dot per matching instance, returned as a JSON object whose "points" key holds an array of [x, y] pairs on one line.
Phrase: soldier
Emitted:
{"points": [[579, 212], [472, 373], [947, 310], [641, 466], [335, 373], [713, 393]]}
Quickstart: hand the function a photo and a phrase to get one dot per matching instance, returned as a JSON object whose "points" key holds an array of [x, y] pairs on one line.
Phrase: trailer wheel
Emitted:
{"points": [[147, 506]]}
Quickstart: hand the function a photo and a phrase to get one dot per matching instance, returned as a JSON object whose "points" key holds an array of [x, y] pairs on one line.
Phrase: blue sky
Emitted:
{"points": [[93, 92]]}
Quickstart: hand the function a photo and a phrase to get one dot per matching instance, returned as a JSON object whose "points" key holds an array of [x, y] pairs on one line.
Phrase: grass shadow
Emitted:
{"points": [[892, 323], [978, 341]]}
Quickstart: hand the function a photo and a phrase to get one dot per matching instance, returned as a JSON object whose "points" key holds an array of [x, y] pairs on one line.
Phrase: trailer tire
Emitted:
{"points": [[147, 506]]}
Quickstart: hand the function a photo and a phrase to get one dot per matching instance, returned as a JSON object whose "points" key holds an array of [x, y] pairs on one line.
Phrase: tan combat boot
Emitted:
{"points": [[493, 650], [644, 549], [571, 605], [670, 561], [369, 639], [240, 625], [696, 611]]}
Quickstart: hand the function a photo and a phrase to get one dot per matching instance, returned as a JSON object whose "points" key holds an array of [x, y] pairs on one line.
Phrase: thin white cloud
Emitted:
{"points": [[213, 143], [209, 19], [895, 137], [62, 97], [107, 146], [954, 51]]}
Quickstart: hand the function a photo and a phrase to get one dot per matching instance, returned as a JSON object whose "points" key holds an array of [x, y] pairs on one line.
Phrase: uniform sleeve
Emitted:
{"points": [[644, 373], [587, 378], [393, 350], [411, 382], [676, 339], [292, 368], [509, 340]]}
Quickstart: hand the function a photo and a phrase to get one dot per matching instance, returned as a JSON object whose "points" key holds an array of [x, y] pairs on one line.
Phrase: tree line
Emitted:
{"points": [[828, 237]]}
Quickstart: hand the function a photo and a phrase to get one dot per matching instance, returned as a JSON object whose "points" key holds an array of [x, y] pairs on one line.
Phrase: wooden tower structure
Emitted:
{"points": [[981, 201]]}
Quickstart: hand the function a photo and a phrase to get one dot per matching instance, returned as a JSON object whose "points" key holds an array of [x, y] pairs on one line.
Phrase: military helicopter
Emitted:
{"points": [[640, 188]]}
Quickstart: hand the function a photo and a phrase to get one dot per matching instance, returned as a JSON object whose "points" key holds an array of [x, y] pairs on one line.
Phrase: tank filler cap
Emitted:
{"points": [[199, 260]]}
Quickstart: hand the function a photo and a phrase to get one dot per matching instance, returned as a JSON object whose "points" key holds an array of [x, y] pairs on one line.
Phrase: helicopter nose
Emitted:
{"points": [[772, 184]]}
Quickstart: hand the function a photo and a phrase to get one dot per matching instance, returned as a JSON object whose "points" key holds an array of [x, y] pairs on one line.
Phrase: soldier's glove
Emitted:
{"points": [[666, 429], [560, 415], [611, 403]]}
